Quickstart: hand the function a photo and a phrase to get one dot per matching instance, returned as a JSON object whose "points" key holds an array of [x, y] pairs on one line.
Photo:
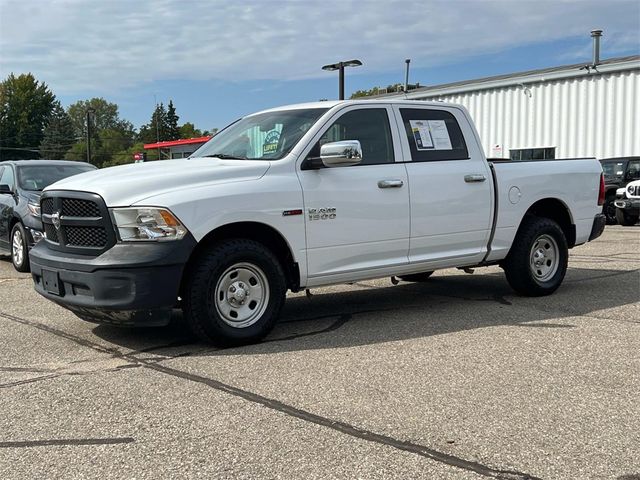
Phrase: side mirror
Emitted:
{"points": [[341, 154], [5, 189]]}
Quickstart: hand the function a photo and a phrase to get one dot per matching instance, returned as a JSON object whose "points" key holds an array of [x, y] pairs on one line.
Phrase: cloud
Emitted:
{"points": [[92, 45]]}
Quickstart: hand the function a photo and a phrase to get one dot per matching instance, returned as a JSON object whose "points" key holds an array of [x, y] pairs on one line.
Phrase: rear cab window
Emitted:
{"points": [[433, 135]]}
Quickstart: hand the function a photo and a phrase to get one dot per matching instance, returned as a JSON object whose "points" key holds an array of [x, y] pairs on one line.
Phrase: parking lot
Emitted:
{"points": [[454, 378]]}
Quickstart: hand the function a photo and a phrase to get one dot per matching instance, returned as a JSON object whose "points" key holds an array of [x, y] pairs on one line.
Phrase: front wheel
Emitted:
{"points": [[235, 292], [609, 210], [19, 248], [626, 219], [537, 261]]}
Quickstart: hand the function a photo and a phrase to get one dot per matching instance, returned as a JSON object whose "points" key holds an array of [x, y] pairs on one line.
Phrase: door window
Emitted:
{"points": [[433, 135], [370, 126], [634, 170]]}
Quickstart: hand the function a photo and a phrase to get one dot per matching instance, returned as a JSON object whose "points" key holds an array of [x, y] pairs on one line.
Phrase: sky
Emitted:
{"points": [[219, 60]]}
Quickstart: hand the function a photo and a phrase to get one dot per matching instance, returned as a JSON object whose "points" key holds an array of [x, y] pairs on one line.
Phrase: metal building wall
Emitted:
{"points": [[595, 115]]}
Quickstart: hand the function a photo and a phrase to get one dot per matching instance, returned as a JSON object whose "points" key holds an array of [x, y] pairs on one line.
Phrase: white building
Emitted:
{"points": [[560, 112]]}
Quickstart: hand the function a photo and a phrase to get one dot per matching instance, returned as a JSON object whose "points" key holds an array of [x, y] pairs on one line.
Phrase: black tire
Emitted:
{"points": [[19, 259], [523, 273], [625, 219], [416, 277], [609, 210], [202, 300]]}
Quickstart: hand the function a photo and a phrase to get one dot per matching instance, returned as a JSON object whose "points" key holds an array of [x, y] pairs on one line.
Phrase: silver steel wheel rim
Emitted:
{"points": [[241, 295], [544, 258], [17, 249]]}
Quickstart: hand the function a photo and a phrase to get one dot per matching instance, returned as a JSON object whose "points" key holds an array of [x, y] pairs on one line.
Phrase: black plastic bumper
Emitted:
{"points": [[132, 284], [598, 226]]}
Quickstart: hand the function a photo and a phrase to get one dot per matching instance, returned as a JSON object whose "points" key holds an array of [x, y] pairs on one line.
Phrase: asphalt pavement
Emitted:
{"points": [[455, 378]]}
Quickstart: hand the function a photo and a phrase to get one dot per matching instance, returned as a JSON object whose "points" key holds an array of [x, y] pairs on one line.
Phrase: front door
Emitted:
{"points": [[7, 204], [357, 217]]}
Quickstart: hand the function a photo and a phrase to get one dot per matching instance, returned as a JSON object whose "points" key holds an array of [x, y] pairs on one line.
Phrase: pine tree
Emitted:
{"points": [[156, 129], [173, 131]]}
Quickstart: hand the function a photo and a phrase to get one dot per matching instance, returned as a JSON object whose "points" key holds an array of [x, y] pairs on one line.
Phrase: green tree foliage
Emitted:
{"points": [[59, 134], [111, 136], [173, 131], [25, 106], [189, 130], [156, 129]]}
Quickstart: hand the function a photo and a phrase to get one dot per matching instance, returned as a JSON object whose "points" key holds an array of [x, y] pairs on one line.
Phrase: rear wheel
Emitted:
{"points": [[537, 262], [626, 219], [235, 293], [416, 277], [19, 248]]}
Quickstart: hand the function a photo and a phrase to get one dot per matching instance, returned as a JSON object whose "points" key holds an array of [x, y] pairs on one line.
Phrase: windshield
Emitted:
{"points": [[35, 178], [265, 136], [613, 169]]}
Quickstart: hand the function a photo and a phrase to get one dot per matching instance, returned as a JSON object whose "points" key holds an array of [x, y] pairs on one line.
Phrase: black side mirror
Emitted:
{"points": [[5, 189]]}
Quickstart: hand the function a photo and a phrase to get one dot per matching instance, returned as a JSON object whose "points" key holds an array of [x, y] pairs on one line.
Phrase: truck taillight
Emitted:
{"points": [[601, 193]]}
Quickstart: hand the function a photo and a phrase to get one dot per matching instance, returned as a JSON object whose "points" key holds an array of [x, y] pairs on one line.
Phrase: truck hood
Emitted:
{"points": [[126, 185]]}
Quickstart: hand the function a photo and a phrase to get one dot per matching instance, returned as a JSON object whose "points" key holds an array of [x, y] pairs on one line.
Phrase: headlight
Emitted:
{"points": [[630, 189], [147, 223], [34, 209]]}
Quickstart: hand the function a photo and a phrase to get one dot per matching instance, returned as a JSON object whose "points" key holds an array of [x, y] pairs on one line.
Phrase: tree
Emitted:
{"points": [[25, 106], [109, 133], [189, 130], [157, 128], [59, 134], [173, 132]]}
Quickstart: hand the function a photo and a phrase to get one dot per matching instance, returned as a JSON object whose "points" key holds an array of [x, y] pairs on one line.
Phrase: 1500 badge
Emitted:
{"points": [[322, 213]]}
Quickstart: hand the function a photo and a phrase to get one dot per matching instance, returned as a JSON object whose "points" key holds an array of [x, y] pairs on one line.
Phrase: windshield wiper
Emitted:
{"points": [[224, 156]]}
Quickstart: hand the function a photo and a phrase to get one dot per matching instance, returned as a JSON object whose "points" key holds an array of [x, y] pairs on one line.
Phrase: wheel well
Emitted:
{"points": [[557, 211], [259, 232]]}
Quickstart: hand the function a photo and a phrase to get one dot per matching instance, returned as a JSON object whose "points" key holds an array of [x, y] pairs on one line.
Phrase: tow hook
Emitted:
{"points": [[468, 270], [395, 280]]}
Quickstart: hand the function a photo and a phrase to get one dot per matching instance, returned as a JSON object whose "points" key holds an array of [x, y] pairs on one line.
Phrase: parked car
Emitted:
{"points": [[305, 196], [628, 204], [21, 184], [618, 172]]}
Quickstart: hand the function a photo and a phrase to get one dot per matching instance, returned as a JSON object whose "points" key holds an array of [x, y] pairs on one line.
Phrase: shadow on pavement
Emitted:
{"points": [[374, 314]]}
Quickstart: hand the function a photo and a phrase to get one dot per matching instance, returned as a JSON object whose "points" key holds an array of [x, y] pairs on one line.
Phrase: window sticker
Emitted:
{"points": [[421, 134], [270, 144], [431, 134]]}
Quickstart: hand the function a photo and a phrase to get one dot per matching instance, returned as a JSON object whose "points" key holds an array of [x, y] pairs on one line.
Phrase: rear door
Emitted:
{"points": [[450, 186], [357, 217]]}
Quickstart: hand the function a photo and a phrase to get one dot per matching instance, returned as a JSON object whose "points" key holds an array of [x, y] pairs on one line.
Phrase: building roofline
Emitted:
{"points": [[631, 62]]}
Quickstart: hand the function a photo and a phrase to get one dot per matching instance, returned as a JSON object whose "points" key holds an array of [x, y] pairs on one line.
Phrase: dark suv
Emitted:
{"points": [[21, 184], [618, 172]]}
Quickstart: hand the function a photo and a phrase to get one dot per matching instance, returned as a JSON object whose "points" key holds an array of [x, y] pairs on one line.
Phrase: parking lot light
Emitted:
{"points": [[340, 67]]}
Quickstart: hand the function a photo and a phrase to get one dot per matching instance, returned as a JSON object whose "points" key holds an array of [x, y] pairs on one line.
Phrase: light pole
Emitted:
{"points": [[340, 67], [89, 112]]}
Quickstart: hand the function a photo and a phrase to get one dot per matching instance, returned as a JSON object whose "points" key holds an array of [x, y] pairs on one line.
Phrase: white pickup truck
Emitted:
{"points": [[303, 196]]}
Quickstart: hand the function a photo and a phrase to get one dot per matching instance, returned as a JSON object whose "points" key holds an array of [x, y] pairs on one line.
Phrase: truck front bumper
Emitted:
{"points": [[132, 284]]}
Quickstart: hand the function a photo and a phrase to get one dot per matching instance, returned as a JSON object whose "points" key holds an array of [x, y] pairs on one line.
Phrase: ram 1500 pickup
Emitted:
{"points": [[303, 196]]}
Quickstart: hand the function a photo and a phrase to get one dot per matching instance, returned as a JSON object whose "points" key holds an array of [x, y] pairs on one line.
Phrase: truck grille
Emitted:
{"points": [[634, 191], [77, 222]]}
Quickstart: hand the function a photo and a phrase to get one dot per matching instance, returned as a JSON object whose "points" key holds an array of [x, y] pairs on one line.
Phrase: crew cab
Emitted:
{"points": [[304, 196]]}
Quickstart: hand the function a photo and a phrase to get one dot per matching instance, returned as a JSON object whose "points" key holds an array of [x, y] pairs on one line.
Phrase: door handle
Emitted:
{"points": [[390, 183], [477, 177]]}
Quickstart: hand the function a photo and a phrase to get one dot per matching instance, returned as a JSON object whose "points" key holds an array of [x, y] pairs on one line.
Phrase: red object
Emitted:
{"points": [[173, 143], [601, 193]]}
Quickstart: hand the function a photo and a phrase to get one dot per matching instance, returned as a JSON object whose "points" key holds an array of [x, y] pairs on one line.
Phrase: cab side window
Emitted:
{"points": [[370, 126], [633, 172], [433, 135], [6, 177]]}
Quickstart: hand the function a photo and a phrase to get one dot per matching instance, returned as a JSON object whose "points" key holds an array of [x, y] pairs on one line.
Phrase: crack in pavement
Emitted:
{"points": [[290, 410], [67, 441]]}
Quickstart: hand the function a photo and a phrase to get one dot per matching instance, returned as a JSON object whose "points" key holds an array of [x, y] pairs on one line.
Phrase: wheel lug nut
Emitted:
{"points": [[232, 289]]}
